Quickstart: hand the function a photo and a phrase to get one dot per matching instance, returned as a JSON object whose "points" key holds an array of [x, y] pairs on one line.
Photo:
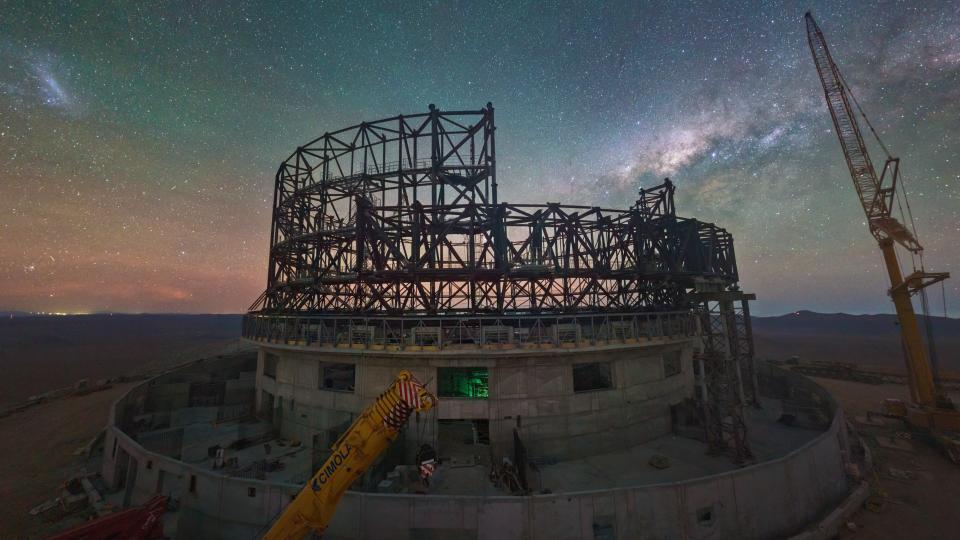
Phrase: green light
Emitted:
{"points": [[471, 382]]}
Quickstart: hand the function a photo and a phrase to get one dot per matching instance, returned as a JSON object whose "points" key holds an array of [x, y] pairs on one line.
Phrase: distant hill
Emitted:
{"points": [[8, 314], [38, 353], [864, 339]]}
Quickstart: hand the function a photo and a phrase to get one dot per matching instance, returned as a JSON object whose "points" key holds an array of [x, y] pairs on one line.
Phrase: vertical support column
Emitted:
{"points": [[435, 155], [746, 350], [489, 131], [727, 370]]}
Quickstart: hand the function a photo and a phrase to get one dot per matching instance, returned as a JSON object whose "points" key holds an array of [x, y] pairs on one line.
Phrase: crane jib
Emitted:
{"points": [[331, 467]]}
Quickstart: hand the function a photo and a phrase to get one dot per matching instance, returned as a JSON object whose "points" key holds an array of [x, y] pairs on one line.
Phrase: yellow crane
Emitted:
{"points": [[878, 194], [353, 453]]}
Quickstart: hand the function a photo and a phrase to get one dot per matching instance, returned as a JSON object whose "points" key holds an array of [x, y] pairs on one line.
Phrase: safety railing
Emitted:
{"points": [[454, 333]]}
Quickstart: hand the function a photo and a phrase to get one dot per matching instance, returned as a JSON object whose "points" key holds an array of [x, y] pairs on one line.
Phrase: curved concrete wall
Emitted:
{"points": [[530, 390], [767, 500]]}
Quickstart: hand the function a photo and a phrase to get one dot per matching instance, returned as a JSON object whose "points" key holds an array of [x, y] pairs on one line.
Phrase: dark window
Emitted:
{"points": [[592, 376], [270, 366], [193, 483], [705, 516], [603, 528], [251, 492], [149, 464], [114, 452], [339, 377], [468, 382], [671, 364]]}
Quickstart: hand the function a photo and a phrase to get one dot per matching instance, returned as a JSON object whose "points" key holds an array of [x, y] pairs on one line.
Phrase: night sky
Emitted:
{"points": [[138, 143]]}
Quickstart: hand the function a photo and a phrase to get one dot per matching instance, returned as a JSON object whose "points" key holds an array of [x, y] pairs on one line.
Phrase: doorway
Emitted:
{"points": [[464, 442]]}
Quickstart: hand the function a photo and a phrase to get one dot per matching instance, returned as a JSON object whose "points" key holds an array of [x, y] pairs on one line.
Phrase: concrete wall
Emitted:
{"points": [[767, 500], [532, 390]]}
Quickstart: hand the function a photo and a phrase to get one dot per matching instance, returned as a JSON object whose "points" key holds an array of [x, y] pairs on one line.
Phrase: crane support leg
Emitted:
{"points": [[917, 363]]}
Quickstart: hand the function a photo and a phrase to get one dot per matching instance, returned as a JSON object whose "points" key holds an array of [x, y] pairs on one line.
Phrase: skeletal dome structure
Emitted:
{"points": [[401, 216], [593, 366]]}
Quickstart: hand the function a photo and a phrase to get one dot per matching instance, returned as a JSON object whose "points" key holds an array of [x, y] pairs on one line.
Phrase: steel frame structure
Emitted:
{"points": [[400, 217], [728, 370], [389, 235]]}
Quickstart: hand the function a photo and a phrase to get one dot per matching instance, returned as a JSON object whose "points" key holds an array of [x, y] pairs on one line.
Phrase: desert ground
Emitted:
{"points": [[37, 449], [869, 340], [42, 353], [924, 507]]}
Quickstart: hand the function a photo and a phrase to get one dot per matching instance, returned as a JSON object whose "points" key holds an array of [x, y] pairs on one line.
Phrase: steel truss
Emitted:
{"points": [[400, 217], [728, 371]]}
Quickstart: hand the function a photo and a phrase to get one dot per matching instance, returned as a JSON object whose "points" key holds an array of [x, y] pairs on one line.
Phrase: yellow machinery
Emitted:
{"points": [[353, 453], [929, 409]]}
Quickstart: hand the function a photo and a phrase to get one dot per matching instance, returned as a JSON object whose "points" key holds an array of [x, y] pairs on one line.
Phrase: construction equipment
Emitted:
{"points": [[140, 523], [930, 409], [353, 453]]}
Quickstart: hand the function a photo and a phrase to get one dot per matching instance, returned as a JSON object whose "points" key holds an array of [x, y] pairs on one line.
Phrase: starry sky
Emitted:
{"points": [[138, 141]]}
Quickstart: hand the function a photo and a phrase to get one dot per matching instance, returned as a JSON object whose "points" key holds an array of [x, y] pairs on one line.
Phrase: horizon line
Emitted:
{"points": [[14, 312]]}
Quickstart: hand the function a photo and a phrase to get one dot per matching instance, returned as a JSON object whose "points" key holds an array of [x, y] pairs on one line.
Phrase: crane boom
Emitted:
{"points": [[877, 202], [353, 453]]}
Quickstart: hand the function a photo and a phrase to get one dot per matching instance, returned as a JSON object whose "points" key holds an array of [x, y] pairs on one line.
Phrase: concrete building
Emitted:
{"points": [[566, 402], [594, 367], [160, 434]]}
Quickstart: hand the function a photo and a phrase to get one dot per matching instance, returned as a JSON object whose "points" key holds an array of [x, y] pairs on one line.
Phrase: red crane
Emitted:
{"points": [[140, 523]]}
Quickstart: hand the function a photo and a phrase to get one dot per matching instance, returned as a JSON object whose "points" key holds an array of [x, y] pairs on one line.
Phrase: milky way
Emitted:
{"points": [[138, 143]]}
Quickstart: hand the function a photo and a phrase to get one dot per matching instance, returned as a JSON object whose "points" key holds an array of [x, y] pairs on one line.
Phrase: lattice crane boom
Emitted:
{"points": [[354, 452], [877, 201]]}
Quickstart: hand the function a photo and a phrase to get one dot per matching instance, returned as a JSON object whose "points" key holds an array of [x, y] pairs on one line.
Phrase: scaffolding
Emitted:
{"points": [[728, 377]]}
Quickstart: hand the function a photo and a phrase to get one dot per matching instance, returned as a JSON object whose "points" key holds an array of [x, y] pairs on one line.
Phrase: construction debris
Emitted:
{"points": [[901, 474], [79, 493], [894, 443], [659, 461]]}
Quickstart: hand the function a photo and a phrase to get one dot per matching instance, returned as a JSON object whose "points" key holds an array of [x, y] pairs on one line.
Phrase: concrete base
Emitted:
{"points": [[830, 526], [800, 476], [532, 391]]}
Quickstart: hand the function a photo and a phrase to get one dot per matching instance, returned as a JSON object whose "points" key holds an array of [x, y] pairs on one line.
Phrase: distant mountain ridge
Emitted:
{"points": [[865, 339], [9, 314], [844, 323]]}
